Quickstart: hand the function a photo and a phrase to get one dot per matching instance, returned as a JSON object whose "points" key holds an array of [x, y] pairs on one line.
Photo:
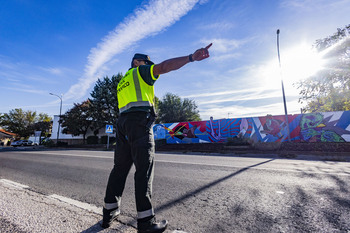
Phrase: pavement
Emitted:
{"points": [[23, 210]]}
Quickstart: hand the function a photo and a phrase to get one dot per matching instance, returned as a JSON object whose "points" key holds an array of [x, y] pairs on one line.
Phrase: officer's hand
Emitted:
{"points": [[202, 53]]}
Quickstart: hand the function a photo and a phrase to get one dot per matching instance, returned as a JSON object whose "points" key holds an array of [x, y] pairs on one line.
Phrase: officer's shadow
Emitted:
{"points": [[117, 226], [130, 223]]}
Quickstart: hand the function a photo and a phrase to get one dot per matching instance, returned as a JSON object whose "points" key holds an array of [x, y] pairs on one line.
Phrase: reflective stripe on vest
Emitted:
{"points": [[137, 85], [129, 98]]}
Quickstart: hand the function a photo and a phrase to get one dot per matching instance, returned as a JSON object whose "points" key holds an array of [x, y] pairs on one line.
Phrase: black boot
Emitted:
{"points": [[151, 226], [109, 216]]}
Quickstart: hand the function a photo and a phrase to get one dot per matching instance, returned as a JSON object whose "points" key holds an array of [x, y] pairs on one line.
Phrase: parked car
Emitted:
{"points": [[22, 143]]}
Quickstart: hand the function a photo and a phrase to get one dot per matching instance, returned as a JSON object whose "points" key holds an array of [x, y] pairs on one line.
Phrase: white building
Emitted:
{"points": [[71, 139]]}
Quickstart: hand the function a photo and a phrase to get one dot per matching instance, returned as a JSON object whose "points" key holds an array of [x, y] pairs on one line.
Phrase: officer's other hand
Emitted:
{"points": [[202, 53]]}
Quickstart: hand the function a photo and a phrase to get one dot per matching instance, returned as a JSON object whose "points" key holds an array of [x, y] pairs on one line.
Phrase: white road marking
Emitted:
{"points": [[13, 184], [279, 192], [71, 155], [70, 201], [76, 203]]}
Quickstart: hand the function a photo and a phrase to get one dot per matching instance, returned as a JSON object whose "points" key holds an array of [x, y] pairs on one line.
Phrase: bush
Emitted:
{"points": [[59, 143], [105, 138], [92, 140], [159, 143], [237, 141], [48, 142]]}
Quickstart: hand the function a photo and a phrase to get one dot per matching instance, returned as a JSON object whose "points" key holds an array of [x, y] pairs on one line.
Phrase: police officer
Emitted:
{"points": [[135, 142]]}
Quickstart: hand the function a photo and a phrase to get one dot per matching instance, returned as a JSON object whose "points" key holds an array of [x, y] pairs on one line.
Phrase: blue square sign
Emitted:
{"points": [[109, 128]]}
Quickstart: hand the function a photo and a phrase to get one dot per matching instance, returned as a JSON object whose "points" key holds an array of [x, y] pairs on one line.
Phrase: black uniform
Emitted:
{"points": [[135, 145]]}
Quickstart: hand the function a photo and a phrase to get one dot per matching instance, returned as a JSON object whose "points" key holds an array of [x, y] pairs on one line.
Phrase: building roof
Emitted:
{"points": [[7, 133]]}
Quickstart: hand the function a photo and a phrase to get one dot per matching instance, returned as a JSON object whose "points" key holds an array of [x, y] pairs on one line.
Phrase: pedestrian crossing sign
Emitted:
{"points": [[109, 128]]}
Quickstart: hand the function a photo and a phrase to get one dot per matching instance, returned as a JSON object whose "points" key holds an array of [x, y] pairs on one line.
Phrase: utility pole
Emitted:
{"points": [[59, 118]]}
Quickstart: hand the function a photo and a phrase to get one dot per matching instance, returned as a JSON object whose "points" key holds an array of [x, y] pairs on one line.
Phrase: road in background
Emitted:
{"points": [[199, 193]]}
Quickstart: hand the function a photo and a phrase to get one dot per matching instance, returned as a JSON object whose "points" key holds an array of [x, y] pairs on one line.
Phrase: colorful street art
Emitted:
{"points": [[311, 127]]}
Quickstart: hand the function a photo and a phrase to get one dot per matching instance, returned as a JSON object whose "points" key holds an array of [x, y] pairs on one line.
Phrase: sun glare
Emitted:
{"points": [[300, 63], [297, 63]]}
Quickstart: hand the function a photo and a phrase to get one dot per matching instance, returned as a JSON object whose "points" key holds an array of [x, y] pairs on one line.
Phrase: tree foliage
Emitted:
{"points": [[78, 119], [329, 89], [173, 109], [24, 123], [104, 101]]}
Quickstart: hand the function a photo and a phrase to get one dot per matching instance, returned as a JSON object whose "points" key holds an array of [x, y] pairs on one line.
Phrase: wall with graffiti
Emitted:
{"points": [[311, 127]]}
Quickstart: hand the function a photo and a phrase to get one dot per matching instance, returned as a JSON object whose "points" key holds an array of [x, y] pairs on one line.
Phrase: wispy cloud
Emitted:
{"points": [[52, 70], [28, 89], [310, 4], [22, 72], [243, 97], [224, 45], [147, 20], [237, 111], [221, 26], [220, 93]]}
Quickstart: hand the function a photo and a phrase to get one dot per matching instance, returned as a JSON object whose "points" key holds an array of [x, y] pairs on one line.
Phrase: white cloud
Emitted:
{"points": [[309, 5], [224, 45], [52, 70], [239, 111], [225, 57], [221, 93], [217, 26], [27, 89], [146, 21], [245, 96]]}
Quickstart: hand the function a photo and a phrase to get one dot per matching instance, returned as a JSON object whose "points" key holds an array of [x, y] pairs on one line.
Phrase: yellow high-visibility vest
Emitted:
{"points": [[133, 91]]}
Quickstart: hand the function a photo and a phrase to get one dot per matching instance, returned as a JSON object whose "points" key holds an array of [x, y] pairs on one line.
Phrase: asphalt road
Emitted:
{"points": [[199, 193]]}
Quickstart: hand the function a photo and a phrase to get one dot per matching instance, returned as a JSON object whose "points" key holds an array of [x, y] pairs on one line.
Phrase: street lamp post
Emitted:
{"points": [[284, 97], [59, 124]]}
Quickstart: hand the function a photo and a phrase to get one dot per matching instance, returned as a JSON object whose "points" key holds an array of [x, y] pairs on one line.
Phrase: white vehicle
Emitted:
{"points": [[22, 143]]}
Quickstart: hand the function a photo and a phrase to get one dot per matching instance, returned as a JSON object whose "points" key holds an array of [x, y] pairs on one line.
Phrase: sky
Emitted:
{"points": [[64, 47]]}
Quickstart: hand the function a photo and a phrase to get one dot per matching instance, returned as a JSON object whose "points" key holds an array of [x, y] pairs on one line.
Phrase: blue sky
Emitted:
{"points": [[63, 47]]}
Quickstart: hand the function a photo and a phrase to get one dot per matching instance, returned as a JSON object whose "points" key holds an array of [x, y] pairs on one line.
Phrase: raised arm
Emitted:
{"points": [[178, 62]]}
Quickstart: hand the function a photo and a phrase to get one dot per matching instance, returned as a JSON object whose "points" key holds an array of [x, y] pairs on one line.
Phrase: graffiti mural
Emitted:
{"points": [[311, 127]]}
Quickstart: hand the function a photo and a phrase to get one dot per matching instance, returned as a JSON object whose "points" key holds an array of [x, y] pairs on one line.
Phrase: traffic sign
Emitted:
{"points": [[109, 128]]}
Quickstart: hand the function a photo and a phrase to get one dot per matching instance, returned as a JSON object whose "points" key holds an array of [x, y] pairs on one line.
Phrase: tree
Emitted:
{"points": [[44, 124], [104, 101], [77, 120], [173, 109], [22, 122], [329, 89]]}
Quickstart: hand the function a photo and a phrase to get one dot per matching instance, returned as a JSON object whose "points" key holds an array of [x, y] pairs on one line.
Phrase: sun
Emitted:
{"points": [[297, 63], [300, 63]]}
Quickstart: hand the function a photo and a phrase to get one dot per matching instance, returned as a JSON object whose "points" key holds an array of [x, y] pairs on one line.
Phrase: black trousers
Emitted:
{"points": [[135, 145]]}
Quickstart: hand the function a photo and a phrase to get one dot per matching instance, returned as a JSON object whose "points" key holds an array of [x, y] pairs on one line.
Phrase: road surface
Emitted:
{"points": [[201, 193]]}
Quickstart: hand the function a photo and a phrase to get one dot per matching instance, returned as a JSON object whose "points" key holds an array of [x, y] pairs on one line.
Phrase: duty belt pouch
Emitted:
{"points": [[151, 116]]}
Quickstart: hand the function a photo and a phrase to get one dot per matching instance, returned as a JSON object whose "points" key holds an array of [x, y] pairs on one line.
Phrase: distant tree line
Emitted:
{"points": [[24, 123]]}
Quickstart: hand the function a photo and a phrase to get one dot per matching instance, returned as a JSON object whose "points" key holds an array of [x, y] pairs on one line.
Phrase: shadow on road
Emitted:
{"points": [[173, 202], [201, 189]]}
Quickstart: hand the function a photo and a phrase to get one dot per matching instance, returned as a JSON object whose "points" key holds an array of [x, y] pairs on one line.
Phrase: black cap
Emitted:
{"points": [[143, 57]]}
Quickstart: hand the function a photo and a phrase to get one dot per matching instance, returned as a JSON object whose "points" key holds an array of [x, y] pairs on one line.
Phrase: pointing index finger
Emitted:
{"points": [[209, 46]]}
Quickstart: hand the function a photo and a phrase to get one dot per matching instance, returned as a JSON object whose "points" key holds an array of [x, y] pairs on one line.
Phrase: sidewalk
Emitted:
{"points": [[23, 210]]}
